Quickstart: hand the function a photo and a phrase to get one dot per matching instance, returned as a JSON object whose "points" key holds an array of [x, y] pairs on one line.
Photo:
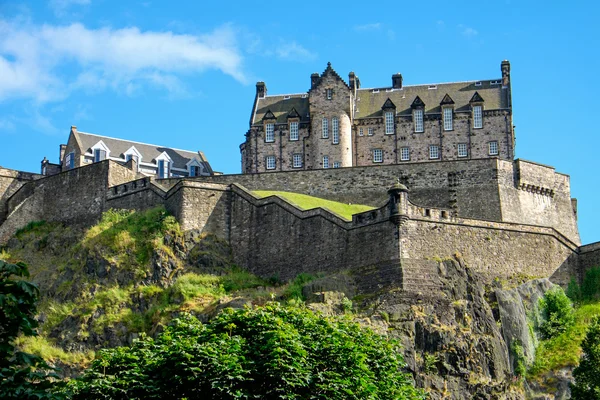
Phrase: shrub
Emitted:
{"points": [[587, 374], [518, 358], [557, 313], [589, 289]]}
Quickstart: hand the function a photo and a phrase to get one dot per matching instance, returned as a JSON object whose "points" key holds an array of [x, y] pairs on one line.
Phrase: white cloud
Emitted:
{"points": [[60, 7], [293, 51], [368, 27], [7, 125], [46, 62], [467, 31]]}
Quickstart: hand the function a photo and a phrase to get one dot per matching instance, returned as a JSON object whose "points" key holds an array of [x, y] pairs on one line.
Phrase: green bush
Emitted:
{"points": [[270, 352], [557, 313], [589, 289], [587, 374]]}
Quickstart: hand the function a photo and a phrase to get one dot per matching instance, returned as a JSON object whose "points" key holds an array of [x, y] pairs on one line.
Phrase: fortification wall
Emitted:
{"points": [[272, 238], [535, 194], [493, 249], [10, 182], [589, 257], [75, 197]]}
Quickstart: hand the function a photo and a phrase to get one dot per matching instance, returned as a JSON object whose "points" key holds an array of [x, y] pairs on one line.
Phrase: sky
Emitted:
{"points": [[183, 73]]}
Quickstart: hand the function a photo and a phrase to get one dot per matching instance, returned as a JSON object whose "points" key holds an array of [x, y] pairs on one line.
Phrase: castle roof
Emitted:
{"points": [[280, 106], [149, 152], [369, 101]]}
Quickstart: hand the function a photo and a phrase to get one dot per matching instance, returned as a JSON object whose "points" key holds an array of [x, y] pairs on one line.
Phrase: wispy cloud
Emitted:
{"points": [[294, 51], [61, 7], [33, 58], [368, 27], [467, 31], [7, 125]]}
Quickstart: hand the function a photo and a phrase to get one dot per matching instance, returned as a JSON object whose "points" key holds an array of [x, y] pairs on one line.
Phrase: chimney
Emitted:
{"points": [[354, 81], [261, 90], [397, 81], [44, 166], [505, 68], [313, 79], [61, 154]]}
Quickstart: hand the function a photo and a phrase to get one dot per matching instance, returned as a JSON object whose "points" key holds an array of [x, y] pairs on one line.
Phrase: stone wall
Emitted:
{"points": [[10, 182], [589, 257]]}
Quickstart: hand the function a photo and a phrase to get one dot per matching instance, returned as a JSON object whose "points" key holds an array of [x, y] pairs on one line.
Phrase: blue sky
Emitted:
{"points": [[182, 74]]}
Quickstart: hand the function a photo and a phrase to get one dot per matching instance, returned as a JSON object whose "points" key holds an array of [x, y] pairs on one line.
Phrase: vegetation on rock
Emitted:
{"points": [[271, 352], [557, 313], [587, 374]]}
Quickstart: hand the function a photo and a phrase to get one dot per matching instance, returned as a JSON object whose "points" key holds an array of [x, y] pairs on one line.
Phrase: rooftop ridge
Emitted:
{"points": [[133, 141], [430, 84]]}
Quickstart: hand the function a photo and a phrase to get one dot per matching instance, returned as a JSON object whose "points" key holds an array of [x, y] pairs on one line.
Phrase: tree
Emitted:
{"points": [[22, 375], [272, 352], [587, 374], [557, 313]]}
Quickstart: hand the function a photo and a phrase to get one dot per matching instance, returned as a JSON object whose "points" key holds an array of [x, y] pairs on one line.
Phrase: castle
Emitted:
{"points": [[499, 215]]}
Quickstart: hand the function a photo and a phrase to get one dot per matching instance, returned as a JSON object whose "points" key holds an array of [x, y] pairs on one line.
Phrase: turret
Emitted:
{"points": [[398, 203]]}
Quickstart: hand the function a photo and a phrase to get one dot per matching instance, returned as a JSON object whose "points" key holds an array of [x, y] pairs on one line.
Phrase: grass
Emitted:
{"points": [[565, 349], [42, 347], [306, 202]]}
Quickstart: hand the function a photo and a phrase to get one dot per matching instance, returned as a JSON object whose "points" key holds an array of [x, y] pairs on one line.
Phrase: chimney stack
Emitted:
{"points": [[261, 90], [314, 77], [505, 68], [397, 81], [354, 81]]}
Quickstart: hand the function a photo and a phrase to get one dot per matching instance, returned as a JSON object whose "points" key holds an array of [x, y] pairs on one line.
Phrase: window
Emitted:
{"points": [[370, 131], [297, 160], [335, 130], [325, 129], [325, 161], [164, 169], [434, 152], [389, 123], [477, 117], [405, 154], [70, 161], [195, 170], [337, 164], [377, 155], [271, 162], [293, 131], [493, 148], [269, 132], [329, 94], [133, 157], [99, 155], [361, 132], [418, 119], [462, 150], [447, 119]]}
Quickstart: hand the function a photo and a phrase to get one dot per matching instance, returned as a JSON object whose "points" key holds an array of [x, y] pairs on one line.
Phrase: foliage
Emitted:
{"points": [[305, 202], [557, 313], [22, 375], [270, 352], [518, 358], [564, 350], [587, 374], [589, 289], [430, 363], [294, 289]]}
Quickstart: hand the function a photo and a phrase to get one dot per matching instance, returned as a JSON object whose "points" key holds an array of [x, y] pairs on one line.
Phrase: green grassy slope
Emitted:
{"points": [[306, 202]]}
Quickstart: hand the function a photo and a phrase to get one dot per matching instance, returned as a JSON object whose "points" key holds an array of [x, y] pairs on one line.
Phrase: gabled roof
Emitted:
{"points": [[370, 101], [329, 71], [447, 100], [388, 104], [417, 102], [149, 152], [476, 98], [269, 115], [293, 114]]}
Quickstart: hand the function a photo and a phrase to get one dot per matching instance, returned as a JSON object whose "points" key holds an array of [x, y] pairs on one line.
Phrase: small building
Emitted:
{"points": [[339, 124], [149, 159]]}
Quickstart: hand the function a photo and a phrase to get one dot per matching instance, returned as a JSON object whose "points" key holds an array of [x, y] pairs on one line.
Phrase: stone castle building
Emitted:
{"points": [[435, 163], [338, 124]]}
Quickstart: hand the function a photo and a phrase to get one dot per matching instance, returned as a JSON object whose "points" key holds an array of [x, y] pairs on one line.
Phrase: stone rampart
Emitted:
{"points": [[589, 257], [10, 182]]}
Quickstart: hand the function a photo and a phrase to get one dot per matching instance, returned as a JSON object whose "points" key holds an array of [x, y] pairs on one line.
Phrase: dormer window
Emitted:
{"points": [[477, 117], [195, 170], [329, 94], [164, 169], [269, 132], [99, 155], [293, 130], [133, 157], [389, 123], [418, 120], [447, 118]]}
